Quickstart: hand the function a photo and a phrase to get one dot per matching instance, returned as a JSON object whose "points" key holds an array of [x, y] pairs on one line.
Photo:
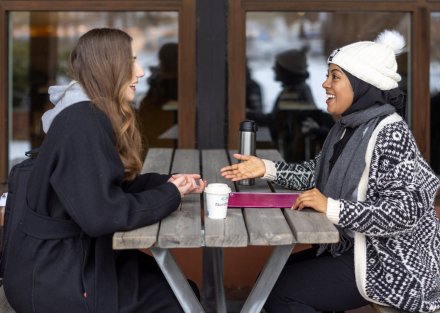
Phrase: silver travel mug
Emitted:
{"points": [[248, 134]]}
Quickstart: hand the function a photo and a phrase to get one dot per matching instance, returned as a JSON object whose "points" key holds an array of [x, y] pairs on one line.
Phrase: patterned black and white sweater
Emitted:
{"points": [[397, 232]]}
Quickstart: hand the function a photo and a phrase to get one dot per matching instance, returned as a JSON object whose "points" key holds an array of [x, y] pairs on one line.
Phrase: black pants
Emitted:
{"points": [[309, 284]]}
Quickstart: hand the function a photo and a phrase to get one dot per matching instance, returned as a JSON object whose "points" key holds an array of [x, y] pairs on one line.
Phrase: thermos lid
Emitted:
{"points": [[248, 126]]}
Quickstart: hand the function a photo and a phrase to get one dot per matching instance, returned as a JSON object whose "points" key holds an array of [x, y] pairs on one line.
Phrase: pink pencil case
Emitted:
{"points": [[261, 200]]}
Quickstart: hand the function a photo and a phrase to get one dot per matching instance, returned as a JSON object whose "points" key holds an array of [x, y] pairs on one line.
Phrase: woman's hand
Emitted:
{"points": [[312, 198], [252, 167], [188, 183]]}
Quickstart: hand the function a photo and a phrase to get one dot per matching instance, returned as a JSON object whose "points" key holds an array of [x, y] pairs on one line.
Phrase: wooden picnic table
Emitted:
{"points": [[189, 227]]}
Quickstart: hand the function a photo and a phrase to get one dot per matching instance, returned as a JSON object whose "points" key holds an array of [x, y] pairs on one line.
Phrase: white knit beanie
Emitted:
{"points": [[372, 61]]}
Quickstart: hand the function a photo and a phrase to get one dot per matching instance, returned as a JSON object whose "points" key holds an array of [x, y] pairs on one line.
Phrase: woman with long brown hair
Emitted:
{"points": [[86, 185]]}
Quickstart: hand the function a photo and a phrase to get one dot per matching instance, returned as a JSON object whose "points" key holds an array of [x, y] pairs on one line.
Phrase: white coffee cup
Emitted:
{"points": [[217, 196]]}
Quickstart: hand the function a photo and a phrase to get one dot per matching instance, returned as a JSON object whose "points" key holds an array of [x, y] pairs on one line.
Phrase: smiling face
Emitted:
{"points": [[138, 72], [339, 91]]}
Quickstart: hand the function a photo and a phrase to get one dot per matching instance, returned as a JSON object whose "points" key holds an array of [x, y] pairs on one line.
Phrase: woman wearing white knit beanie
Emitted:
{"points": [[372, 182]]}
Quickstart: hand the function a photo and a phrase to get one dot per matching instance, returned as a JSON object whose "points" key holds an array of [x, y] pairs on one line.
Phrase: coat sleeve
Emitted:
{"points": [[296, 176], [145, 181], [87, 179], [401, 187]]}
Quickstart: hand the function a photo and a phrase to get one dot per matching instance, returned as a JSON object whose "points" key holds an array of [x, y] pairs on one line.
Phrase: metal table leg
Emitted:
{"points": [[208, 290], [266, 280], [213, 286], [218, 263], [180, 286]]}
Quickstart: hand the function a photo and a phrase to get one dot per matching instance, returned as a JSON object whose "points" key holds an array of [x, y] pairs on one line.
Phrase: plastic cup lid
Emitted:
{"points": [[217, 188]]}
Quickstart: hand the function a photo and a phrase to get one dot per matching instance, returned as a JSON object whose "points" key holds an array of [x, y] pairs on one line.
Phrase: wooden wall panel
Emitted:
{"points": [[3, 97], [187, 75], [421, 119], [237, 67], [211, 73]]}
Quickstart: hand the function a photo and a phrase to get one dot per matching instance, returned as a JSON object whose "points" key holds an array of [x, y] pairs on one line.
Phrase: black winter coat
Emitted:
{"points": [[78, 177]]}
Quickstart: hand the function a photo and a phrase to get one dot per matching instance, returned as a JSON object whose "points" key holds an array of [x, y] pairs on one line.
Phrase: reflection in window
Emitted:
{"points": [[287, 61], [40, 45], [435, 91], [158, 109]]}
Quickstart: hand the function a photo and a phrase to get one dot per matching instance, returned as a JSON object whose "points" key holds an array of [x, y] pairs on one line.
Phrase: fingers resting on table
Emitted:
{"points": [[312, 198]]}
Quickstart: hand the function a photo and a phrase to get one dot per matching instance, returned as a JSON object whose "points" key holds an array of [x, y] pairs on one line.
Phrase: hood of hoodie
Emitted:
{"points": [[62, 96]]}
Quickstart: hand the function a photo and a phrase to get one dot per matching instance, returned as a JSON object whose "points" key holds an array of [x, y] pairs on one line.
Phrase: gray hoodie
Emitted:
{"points": [[62, 96]]}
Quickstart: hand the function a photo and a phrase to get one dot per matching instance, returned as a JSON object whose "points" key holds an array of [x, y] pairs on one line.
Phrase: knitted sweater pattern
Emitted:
{"points": [[397, 232]]}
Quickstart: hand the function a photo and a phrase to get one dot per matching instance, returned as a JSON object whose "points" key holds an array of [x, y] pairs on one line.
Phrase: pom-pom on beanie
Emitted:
{"points": [[372, 61]]}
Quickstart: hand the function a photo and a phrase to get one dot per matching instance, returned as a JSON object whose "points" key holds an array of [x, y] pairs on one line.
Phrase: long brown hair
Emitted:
{"points": [[102, 63]]}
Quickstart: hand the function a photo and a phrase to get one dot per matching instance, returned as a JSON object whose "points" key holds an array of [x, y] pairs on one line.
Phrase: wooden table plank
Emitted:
{"points": [[159, 161], [266, 227], [141, 238], [231, 231], [304, 224], [183, 227], [310, 226], [218, 234]]}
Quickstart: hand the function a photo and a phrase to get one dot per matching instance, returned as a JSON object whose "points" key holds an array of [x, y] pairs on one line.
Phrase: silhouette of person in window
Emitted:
{"points": [[254, 100], [163, 82], [297, 126]]}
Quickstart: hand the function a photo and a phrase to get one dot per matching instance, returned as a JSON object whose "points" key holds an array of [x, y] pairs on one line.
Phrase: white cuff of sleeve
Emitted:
{"points": [[333, 210], [271, 171]]}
